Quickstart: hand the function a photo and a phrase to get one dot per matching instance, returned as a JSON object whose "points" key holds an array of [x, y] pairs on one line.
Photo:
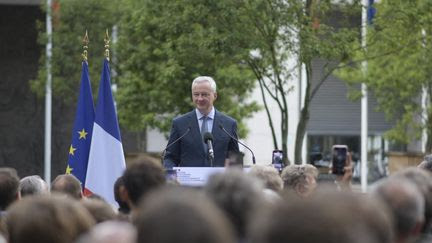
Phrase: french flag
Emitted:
{"points": [[106, 159]]}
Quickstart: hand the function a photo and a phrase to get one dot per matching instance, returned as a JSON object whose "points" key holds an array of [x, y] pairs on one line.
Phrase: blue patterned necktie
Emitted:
{"points": [[204, 125], [204, 129]]}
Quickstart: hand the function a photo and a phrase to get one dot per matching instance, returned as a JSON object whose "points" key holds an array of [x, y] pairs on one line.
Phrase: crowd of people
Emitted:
{"points": [[259, 205]]}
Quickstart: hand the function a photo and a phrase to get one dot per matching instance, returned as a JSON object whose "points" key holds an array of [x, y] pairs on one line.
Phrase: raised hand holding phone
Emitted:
{"points": [[342, 166]]}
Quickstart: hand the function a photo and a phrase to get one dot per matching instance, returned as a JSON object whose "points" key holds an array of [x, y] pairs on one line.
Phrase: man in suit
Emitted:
{"points": [[191, 150]]}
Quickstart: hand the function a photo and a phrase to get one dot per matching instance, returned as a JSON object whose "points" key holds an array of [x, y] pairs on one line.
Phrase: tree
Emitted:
{"points": [[297, 30], [163, 46], [71, 19], [398, 69]]}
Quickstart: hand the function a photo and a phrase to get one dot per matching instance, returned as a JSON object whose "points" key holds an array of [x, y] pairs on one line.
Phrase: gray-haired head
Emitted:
{"points": [[33, 185], [202, 79], [405, 202], [237, 194], [300, 179], [268, 175], [426, 164]]}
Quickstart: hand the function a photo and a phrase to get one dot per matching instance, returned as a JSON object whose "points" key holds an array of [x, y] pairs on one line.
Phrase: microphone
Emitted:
{"points": [[174, 142], [208, 139], [231, 136]]}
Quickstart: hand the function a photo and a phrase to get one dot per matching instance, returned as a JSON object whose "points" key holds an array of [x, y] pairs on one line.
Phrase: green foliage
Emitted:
{"points": [[398, 67], [70, 22], [164, 45]]}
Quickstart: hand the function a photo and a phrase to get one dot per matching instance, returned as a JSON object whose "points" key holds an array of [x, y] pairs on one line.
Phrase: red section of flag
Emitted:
{"points": [[87, 192]]}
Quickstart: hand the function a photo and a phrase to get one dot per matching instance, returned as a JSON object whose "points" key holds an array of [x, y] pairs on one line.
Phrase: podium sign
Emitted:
{"points": [[195, 176]]}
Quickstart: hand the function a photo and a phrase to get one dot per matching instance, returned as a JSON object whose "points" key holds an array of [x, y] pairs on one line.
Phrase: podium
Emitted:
{"points": [[193, 176]]}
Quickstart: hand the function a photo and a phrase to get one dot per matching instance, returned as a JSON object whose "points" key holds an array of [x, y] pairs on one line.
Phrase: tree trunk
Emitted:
{"points": [[270, 120], [429, 121], [284, 130], [304, 116]]}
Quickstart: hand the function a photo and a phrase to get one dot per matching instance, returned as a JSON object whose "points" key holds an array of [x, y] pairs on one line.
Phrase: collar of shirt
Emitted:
{"points": [[210, 115]]}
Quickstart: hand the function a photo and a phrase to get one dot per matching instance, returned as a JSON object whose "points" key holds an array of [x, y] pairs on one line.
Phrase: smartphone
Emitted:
{"points": [[340, 154], [277, 159]]}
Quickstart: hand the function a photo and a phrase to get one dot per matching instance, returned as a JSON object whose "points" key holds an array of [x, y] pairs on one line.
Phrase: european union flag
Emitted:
{"points": [[82, 130]]}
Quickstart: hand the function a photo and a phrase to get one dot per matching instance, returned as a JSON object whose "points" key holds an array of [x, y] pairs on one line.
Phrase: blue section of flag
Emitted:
{"points": [[371, 12], [105, 111], [82, 129]]}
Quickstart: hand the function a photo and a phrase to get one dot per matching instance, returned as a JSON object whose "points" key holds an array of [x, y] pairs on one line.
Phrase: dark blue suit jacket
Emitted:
{"points": [[189, 151]]}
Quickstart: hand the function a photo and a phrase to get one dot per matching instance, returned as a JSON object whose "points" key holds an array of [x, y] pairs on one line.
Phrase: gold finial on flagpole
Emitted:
{"points": [[107, 41], [85, 46]]}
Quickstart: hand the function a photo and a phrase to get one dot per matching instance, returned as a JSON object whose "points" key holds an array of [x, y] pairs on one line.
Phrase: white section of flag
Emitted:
{"points": [[106, 164]]}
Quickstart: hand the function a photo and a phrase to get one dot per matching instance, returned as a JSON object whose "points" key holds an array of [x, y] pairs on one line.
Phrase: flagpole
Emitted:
{"points": [[48, 97], [364, 105]]}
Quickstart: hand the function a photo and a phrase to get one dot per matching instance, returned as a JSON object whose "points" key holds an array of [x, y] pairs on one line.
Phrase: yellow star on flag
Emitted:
{"points": [[72, 150], [69, 170], [82, 134]]}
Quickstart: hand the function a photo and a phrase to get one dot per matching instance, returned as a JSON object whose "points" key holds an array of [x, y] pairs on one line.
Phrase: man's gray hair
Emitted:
{"points": [[268, 175], [404, 200], [294, 175], [426, 164], [202, 79], [33, 185]]}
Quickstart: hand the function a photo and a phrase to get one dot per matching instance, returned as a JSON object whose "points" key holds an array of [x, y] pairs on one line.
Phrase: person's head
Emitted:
{"points": [[204, 93], [181, 215], [33, 185], [269, 175], [426, 164], [48, 219], [9, 187], [423, 180], [234, 160], [141, 177], [110, 232], [405, 202], [326, 217], [99, 209], [120, 195], [300, 179], [67, 184], [237, 194]]}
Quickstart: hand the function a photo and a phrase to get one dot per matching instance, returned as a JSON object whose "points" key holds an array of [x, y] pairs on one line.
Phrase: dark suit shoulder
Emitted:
{"points": [[184, 119], [224, 117]]}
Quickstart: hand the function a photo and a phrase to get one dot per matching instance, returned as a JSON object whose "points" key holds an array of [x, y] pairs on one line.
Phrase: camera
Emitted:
{"points": [[340, 153]]}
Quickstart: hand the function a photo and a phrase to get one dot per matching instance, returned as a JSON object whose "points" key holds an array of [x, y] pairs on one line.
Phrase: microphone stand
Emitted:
{"points": [[223, 129], [208, 139], [174, 142]]}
